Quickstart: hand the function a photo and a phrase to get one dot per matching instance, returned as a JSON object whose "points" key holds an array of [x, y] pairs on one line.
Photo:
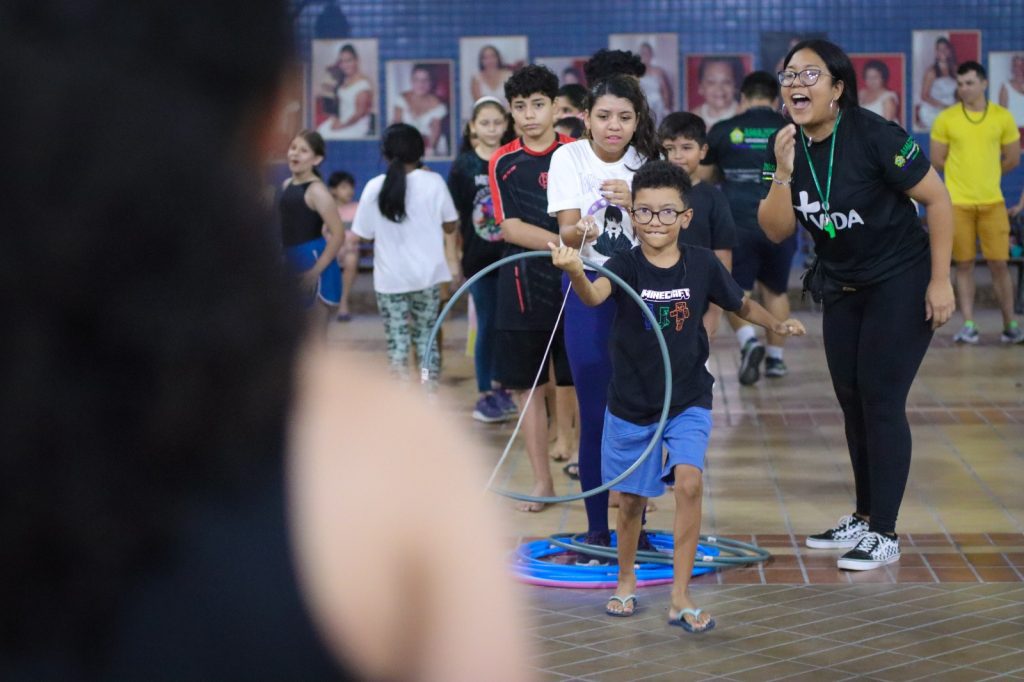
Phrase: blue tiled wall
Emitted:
{"points": [[411, 29]]}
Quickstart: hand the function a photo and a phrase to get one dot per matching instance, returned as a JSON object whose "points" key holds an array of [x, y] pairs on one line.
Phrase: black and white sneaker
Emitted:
{"points": [[751, 356], [872, 551], [845, 534]]}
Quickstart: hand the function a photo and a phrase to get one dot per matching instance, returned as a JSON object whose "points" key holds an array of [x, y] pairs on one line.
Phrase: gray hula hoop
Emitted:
{"points": [[655, 439]]}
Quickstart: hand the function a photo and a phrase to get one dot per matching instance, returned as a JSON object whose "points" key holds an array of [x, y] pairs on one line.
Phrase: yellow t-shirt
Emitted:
{"points": [[973, 169]]}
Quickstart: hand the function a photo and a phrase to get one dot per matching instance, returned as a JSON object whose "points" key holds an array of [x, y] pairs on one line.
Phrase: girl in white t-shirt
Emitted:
{"points": [[404, 212], [589, 192]]}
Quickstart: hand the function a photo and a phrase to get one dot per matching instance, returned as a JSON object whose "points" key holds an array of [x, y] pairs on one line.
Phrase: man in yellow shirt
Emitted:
{"points": [[975, 142]]}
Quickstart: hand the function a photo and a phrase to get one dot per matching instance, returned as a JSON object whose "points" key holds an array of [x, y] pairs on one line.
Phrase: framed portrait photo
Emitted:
{"points": [[935, 56], [881, 84], [1006, 82], [660, 54], [345, 95], [485, 63], [713, 84], [421, 92]]}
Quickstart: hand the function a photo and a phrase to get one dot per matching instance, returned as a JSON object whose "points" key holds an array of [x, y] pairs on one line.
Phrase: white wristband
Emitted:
{"points": [[782, 182]]}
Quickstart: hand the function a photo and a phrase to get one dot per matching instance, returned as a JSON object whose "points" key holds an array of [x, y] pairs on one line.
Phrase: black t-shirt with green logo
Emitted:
{"points": [[738, 146], [877, 231]]}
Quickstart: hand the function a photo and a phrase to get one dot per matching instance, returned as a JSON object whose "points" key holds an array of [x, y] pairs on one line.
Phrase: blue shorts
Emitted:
{"points": [[685, 438], [756, 257], [302, 257]]}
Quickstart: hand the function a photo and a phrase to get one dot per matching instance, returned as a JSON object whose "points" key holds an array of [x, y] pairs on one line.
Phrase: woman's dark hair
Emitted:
{"points": [[950, 60], [645, 138], [480, 57], [427, 70], [837, 63], [316, 144], [467, 135], [531, 79], [879, 66], [683, 124], [657, 174], [606, 63], [402, 145], [152, 367], [334, 70]]}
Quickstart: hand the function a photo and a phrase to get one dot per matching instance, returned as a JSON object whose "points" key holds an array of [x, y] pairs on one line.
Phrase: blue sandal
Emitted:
{"points": [[622, 600], [680, 620]]}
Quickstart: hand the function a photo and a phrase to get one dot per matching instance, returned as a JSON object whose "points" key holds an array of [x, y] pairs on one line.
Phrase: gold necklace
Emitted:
{"points": [[963, 107]]}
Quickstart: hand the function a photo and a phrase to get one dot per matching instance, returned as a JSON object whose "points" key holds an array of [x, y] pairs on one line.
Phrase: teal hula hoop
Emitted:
{"points": [[655, 439]]}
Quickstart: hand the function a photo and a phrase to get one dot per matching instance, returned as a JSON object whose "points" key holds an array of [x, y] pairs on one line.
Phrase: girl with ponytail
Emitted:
{"points": [[406, 212]]}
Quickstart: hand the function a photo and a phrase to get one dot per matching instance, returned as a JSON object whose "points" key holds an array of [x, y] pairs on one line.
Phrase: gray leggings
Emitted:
{"points": [[408, 318]]}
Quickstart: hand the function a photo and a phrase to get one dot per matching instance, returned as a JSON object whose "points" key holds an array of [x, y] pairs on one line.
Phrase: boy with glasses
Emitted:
{"points": [[677, 284]]}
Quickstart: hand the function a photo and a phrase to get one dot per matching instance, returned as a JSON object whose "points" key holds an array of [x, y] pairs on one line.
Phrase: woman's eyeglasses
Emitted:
{"points": [[807, 77], [666, 216]]}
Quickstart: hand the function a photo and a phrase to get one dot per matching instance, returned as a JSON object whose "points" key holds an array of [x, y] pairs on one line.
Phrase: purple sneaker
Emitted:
{"points": [[504, 400], [488, 411]]}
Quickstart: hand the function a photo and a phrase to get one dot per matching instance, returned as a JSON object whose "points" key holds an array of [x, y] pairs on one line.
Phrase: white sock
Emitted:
{"points": [[774, 352], [745, 333]]}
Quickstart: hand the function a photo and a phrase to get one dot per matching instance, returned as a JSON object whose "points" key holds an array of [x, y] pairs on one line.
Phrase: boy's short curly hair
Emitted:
{"points": [[531, 79], [659, 174]]}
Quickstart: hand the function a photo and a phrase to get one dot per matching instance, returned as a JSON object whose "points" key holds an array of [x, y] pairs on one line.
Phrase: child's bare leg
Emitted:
{"points": [[565, 417], [627, 527], [689, 488], [350, 264], [535, 435]]}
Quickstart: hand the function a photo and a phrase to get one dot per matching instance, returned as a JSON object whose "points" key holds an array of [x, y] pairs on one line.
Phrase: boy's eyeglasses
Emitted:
{"points": [[807, 77], [666, 216]]}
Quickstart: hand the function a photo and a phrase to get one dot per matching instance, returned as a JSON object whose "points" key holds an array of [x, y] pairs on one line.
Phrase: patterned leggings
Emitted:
{"points": [[408, 318]]}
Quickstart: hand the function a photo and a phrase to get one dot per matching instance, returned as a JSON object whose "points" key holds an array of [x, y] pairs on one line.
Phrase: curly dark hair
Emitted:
{"points": [[149, 335], [645, 139], [658, 174], [531, 79], [606, 63]]}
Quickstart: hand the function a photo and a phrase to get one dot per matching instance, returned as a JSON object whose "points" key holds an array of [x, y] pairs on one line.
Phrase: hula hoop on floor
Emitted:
{"points": [[655, 439]]}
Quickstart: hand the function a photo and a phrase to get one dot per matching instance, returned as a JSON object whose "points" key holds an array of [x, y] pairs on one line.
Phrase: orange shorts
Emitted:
{"points": [[988, 223]]}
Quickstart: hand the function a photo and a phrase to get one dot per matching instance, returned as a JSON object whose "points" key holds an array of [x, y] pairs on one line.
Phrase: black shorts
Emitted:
{"points": [[519, 354], [758, 258]]}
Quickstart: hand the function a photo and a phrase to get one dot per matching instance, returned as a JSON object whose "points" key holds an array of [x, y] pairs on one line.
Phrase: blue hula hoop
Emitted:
{"points": [[655, 439]]}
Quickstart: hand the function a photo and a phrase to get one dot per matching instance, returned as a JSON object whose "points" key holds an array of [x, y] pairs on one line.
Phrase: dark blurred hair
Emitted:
{"points": [[760, 85], [573, 124], [645, 141], [683, 124], [340, 177], [972, 66], [658, 174], [480, 57], [531, 79], [402, 145], [879, 66], [606, 63], [575, 93], [153, 362], [837, 63]]}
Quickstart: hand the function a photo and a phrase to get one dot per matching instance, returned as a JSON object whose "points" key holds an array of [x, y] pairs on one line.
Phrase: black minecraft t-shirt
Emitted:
{"points": [[877, 231], [712, 226], [530, 289], [738, 146], [678, 296]]}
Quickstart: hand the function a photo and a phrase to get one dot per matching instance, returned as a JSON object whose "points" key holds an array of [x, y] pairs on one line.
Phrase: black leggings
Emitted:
{"points": [[875, 339]]}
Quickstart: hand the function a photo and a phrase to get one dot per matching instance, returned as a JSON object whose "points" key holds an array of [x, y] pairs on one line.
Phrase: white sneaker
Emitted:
{"points": [[967, 334], [845, 534], [872, 551]]}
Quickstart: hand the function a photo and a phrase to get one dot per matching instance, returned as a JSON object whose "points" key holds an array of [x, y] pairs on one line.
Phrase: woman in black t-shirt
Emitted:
{"points": [[847, 176]]}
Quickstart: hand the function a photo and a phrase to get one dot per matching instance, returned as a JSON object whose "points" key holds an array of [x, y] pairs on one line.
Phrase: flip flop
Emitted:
{"points": [[572, 470], [623, 601], [680, 620]]}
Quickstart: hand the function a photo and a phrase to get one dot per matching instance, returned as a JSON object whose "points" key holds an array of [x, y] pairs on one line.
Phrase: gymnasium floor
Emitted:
{"points": [[951, 609]]}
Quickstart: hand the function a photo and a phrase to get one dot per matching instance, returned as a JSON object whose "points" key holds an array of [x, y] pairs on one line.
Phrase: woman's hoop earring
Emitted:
{"points": [[782, 109]]}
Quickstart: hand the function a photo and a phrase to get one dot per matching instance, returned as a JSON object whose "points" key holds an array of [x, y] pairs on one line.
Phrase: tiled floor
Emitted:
{"points": [[951, 609]]}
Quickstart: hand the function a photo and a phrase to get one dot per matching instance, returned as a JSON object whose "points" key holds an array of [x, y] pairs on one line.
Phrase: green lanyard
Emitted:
{"points": [[827, 226]]}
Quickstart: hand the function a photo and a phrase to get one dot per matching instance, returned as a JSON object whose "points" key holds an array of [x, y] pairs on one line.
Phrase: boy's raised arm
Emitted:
{"points": [[568, 259]]}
